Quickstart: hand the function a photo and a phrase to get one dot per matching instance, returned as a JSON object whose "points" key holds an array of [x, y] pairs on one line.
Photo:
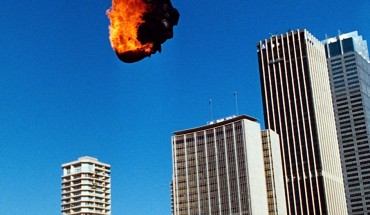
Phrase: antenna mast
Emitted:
{"points": [[236, 103], [210, 108]]}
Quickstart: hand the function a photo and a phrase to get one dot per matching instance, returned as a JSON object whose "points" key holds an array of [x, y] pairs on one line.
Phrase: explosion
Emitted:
{"points": [[139, 27]]}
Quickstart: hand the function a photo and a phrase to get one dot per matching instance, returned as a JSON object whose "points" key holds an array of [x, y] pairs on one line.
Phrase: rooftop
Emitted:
{"points": [[216, 123]]}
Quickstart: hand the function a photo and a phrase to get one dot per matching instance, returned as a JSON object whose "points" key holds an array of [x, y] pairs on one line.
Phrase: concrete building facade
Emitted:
{"points": [[298, 107], [86, 187], [349, 71], [219, 169]]}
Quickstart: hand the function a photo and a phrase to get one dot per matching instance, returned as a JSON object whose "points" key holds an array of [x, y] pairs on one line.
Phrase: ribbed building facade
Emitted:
{"points": [[86, 187], [219, 169], [349, 71], [274, 173], [298, 107]]}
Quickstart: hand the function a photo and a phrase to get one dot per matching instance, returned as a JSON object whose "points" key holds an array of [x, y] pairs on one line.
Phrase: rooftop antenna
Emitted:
{"points": [[340, 42], [210, 108], [327, 45], [236, 102], [273, 35]]}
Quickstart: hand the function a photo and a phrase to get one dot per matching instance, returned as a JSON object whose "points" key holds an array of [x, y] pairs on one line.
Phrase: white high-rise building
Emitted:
{"points": [[86, 187], [349, 72]]}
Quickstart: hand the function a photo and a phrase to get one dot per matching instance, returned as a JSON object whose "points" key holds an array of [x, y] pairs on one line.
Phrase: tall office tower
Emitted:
{"points": [[86, 187], [298, 107], [219, 168], [349, 71], [274, 173]]}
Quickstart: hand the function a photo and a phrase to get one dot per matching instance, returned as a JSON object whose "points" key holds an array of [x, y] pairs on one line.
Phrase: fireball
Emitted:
{"points": [[139, 27]]}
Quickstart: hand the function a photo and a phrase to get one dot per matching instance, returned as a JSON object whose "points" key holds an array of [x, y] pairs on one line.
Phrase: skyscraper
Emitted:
{"points": [[297, 105], [219, 169], [349, 71], [86, 187]]}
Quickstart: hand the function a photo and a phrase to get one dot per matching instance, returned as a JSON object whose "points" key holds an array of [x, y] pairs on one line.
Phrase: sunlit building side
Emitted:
{"points": [[86, 187], [349, 71]]}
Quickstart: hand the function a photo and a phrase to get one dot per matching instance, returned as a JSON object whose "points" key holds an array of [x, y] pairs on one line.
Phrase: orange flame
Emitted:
{"points": [[125, 17]]}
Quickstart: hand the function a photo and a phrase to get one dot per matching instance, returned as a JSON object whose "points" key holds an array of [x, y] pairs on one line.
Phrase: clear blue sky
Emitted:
{"points": [[64, 93]]}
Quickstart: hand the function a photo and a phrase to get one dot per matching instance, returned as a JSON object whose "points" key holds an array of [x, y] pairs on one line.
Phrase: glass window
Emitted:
{"points": [[348, 45], [334, 49]]}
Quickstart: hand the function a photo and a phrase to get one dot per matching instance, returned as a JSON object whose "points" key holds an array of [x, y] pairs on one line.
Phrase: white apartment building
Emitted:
{"points": [[86, 187]]}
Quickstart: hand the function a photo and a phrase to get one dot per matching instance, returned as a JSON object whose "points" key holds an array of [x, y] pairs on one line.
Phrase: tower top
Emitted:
{"points": [[344, 43], [87, 158]]}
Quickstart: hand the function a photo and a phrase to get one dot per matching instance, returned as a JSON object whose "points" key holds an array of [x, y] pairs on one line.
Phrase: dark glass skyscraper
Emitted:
{"points": [[349, 71], [298, 106]]}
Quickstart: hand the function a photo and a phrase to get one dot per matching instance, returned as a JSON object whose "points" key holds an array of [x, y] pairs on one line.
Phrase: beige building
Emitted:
{"points": [[274, 173], [219, 169], [86, 187], [298, 107]]}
